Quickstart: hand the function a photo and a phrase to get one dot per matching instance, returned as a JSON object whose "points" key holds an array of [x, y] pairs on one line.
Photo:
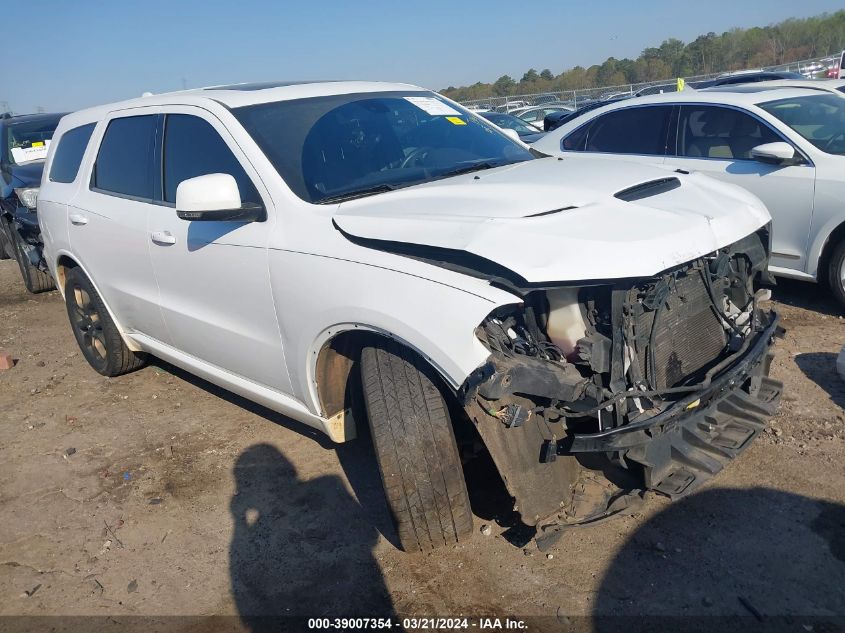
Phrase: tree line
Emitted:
{"points": [[737, 49]]}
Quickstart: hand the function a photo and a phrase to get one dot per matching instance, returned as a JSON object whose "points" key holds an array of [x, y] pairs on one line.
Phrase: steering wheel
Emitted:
{"points": [[833, 139], [416, 157]]}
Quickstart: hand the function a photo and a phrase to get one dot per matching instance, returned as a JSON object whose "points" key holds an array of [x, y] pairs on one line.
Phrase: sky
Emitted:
{"points": [[64, 55]]}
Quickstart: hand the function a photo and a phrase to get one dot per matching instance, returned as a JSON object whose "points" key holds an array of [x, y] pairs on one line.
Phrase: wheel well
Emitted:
{"points": [[336, 372], [836, 236], [64, 265]]}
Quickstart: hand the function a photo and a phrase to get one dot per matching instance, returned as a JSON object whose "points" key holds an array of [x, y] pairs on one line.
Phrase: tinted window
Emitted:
{"points": [[69, 153], [630, 131], [192, 147], [577, 140], [124, 162], [716, 132]]}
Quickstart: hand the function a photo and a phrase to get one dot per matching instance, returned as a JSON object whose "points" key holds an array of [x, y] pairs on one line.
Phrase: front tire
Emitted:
{"points": [[836, 273], [95, 332], [6, 249], [415, 448]]}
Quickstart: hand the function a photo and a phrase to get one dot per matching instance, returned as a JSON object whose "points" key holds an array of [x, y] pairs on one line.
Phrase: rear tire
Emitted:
{"points": [[836, 272], [415, 448], [34, 279], [95, 332]]}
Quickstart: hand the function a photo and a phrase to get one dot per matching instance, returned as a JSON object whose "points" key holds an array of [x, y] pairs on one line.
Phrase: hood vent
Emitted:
{"points": [[648, 189]]}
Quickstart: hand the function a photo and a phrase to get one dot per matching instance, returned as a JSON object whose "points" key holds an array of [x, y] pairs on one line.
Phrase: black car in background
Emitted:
{"points": [[554, 120], [23, 147]]}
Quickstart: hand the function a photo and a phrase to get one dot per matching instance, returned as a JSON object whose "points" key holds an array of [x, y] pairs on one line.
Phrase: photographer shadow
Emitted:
{"points": [[730, 559], [300, 549]]}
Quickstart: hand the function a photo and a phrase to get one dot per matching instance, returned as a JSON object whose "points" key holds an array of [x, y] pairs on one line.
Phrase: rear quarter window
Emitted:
{"points": [[638, 130], [68, 156]]}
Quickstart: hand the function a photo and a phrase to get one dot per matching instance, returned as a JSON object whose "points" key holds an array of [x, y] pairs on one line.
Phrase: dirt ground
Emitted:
{"points": [[158, 494]]}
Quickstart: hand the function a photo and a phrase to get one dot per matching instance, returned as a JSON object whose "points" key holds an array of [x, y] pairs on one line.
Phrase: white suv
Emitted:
{"points": [[346, 250]]}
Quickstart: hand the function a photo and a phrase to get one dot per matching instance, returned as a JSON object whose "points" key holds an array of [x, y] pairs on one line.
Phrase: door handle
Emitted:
{"points": [[163, 237], [77, 219]]}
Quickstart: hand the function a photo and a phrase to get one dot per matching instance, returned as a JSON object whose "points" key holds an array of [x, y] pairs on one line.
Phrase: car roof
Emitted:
{"points": [[829, 85], [740, 95], [237, 95], [545, 106], [25, 118]]}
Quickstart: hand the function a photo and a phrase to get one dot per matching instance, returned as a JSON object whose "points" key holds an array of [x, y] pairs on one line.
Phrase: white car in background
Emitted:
{"points": [[784, 145], [535, 114], [343, 251]]}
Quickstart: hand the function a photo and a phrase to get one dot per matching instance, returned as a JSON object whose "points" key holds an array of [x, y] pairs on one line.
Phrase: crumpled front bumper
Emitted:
{"points": [[700, 434]]}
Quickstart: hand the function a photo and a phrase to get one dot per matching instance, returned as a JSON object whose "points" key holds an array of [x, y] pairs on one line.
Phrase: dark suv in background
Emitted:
{"points": [[23, 147]]}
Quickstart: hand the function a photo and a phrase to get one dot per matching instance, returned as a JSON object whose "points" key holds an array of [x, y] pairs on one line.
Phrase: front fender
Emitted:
{"points": [[330, 296]]}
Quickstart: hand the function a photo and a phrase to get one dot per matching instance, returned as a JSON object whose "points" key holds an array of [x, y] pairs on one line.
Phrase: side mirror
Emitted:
{"points": [[512, 133], [779, 153], [215, 198]]}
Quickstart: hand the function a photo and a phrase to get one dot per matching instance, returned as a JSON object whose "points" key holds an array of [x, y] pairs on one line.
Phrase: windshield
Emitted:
{"points": [[510, 122], [332, 148], [29, 140], [820, 119]]}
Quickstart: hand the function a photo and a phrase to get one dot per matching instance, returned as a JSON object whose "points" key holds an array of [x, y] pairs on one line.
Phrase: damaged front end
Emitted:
{"points": [[656, 383], [19, 225]]}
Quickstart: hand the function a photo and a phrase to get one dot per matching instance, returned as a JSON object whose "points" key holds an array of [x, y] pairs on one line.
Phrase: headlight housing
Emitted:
{"points": [[28, 197]]}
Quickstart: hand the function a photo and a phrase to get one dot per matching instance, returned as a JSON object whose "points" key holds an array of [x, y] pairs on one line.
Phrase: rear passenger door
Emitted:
{"points": [[717, 141], [214, 276], [107, 220], [638, 133]]}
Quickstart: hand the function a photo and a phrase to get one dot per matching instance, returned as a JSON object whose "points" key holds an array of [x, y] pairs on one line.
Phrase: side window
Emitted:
{"points": [[124, 162], [192, 147], [577, 140], [68, 156], [717, 132], [639, 130]]}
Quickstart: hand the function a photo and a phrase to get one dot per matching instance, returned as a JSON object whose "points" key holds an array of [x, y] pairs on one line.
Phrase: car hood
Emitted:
{"points": [[28, 174], [557, 220]]}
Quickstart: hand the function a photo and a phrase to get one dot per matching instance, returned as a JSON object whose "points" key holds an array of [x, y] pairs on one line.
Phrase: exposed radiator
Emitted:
{"points": [[689, 335]]}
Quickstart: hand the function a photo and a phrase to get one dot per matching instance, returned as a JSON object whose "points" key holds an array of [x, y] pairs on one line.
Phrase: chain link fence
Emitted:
{"points": [[810, 68]]}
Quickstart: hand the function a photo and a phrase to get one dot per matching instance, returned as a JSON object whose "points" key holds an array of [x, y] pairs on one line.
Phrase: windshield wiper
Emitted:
{"points": [[469, 169], [358, 193]]}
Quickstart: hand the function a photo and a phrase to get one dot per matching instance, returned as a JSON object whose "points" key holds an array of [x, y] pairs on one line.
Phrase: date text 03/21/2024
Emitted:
{"points": [[488, 624]]}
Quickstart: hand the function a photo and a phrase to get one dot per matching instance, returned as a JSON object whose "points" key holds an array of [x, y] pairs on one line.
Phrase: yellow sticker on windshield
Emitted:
{"points": [[455, 120], [38, 144]]}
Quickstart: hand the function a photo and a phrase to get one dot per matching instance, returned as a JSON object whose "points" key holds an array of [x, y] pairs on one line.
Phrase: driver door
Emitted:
{"points": [[717, 141]]}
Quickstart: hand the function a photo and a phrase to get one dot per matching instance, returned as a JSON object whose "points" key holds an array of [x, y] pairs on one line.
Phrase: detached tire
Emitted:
{"points": [[95, 332], [34, 279], [415, 447], [836, 272]]}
